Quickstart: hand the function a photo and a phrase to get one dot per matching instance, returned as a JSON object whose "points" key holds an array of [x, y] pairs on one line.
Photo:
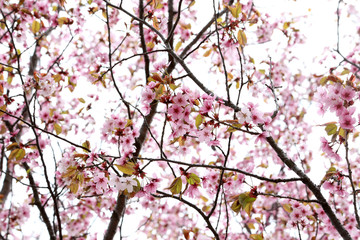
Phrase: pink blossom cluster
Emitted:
{"points": [[77, 216], [148, 96], [122, 183], [250, 114], [339, 99], [327, 149], [334, 185], [298, 215], [19, 215], [265, 31], [119, 131], [81, 170]]}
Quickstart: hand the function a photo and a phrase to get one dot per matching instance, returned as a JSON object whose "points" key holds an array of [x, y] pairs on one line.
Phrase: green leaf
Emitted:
{"points": [[193, 179], [323, 80], [207, 53], [12, 146], [86, 144], [286, 25], [74, 187], [329, 174], [243, 201], [345, 71], [199, 120], [236, 10], [342, 132], [20, 154], [35, 26], [242, 39], [287, 207], [192, 3], [236, 206], [256, 236], [175, 186], [262, 71], [70, 172], [331, 129], [57, 128], [178, 45], [248, 206], [250, 225], [13, 153], [3, 108], [17, 153], [128, 168], [173, 86]]}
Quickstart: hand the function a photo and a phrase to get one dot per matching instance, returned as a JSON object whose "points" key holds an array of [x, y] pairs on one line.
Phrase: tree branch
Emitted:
{"points": [[206, 219], [222, 169], [315, 189], [38, 204], [115, 217]]}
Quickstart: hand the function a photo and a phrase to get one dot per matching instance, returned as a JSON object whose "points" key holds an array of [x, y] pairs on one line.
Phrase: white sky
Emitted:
{"points": [[320, 30]]}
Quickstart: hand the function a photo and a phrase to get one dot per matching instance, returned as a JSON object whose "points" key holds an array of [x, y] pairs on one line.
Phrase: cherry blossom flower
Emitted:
{"points": [[158, 66], [338, 106], [328, 150], [320, 94], [206, 107], [347, 93], [152, 186], [45, 114], [347, 122], [205, 134], [100, 181], [145, 109], [257, 116], [214, 143], [128, 141], [296, 214], [193, 191], [262, 137], [180, 128], [180, 99], [127, 183], [244, 115], [335, 89], [148, 96], [176, 112]]}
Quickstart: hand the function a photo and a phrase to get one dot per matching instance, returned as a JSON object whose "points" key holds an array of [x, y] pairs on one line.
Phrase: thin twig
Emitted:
{"points": [[222, 169]]}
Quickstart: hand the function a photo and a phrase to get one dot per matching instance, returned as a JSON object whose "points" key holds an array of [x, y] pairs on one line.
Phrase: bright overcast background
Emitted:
{"points": [[318, 24]]}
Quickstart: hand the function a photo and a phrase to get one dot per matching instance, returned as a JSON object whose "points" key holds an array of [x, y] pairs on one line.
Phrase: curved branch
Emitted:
{"points": [[315, 189], [223, 169], [38, 204], [206, 219], [43, 130], [287, 197]]}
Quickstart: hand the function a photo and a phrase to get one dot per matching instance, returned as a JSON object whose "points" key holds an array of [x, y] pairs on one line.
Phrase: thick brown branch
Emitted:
{"points": [[115, 217], [38, 204], [6, 187], [315, 189], [142, 40]]}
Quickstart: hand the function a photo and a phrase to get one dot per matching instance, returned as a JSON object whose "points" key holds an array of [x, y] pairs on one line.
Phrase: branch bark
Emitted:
{"points": [[115, 217], [315, 189], [38, 204]]}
